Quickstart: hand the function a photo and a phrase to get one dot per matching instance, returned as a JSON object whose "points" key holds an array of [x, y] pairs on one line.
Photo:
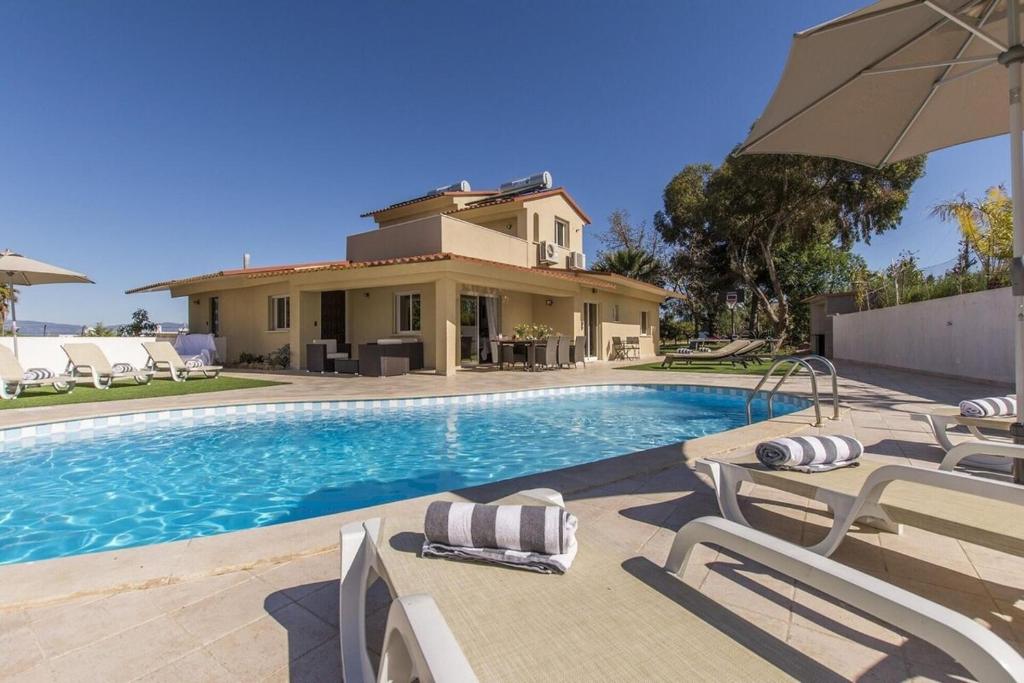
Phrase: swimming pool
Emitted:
{"points": [[134, 480]]}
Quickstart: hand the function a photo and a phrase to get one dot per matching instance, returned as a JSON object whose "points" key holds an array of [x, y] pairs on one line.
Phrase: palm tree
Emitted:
{"points": [[100, 330], [7, 295], [986, 224], [632, 262]]}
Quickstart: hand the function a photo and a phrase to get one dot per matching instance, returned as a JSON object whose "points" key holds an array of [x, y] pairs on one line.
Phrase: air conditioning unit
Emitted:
{"points": [[548, 253], [578, 260]]}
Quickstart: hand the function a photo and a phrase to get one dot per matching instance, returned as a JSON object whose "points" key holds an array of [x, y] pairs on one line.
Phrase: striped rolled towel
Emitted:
{"points": [[35, 374], [539, 538], [194, 363], [123, 368], [810, 453], [994, 406]]}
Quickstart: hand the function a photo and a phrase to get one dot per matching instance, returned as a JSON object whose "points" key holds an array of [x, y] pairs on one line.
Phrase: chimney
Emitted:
{"points": [[245, 260]]}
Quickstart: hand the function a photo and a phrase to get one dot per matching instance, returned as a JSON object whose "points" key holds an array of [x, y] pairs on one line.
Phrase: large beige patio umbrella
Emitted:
{"points": [[16, 270], [900, 78]]}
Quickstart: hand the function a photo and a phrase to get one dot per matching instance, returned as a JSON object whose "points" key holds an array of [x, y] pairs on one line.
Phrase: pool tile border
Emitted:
{"points": [[60, 430]]}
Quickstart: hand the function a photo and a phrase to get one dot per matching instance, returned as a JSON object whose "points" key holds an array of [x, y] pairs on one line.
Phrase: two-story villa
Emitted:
{"points": [[454, 268]]}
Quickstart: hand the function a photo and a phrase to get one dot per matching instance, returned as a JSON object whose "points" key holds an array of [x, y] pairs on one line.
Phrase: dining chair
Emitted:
{"points": [[578, 352], [563, 352]]}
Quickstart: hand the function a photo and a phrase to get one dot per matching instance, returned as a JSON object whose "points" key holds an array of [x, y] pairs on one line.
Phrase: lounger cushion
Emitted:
{"points": [[615, 616]]}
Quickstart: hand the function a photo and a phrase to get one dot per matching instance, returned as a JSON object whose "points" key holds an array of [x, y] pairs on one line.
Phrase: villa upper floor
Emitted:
{"points": [[524, 223]]}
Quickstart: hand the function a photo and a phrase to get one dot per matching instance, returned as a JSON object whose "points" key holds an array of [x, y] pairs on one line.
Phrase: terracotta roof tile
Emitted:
{"points": [[415, 200], [274, 271], [525, 196]]}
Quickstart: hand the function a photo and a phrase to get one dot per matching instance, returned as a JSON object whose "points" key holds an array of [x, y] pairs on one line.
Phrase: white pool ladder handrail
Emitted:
{"points": [[796, 363]]}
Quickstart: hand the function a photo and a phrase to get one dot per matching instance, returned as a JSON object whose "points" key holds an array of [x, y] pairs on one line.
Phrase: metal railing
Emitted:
{"points": [[796, 364]]}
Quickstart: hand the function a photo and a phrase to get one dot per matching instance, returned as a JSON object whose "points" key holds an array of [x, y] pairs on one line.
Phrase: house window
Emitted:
{"points": [[561, 233], [615, 313], [645, 324], [280, 312], [215, 315], [407, 313]]}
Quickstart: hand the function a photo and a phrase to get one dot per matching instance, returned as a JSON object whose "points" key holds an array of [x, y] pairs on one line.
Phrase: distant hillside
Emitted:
{"points": [[35, 328]]}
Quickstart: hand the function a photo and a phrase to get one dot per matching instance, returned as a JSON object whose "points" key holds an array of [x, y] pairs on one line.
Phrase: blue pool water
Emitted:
{"points": [[120, 487]]}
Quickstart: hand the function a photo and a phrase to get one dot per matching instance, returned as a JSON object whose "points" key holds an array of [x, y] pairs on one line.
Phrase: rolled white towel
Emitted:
{"points": [[993, 406], [194, 363], [35, 374], [810, 453], [535, 537], [123, 368]]}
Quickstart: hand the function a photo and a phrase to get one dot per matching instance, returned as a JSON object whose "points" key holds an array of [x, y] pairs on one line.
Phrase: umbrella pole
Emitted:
{"points": [[14, 318], [1014, 68]]}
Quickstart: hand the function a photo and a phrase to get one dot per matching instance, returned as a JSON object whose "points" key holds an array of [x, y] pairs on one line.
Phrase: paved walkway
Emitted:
{"points": [[262, 604]]}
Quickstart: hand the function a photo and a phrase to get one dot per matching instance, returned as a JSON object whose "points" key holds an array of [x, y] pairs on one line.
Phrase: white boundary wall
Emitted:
{"points": [[45, 352], [967, 336]]}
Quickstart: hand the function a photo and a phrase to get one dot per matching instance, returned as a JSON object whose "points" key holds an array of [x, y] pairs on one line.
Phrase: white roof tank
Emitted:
{"points": [[538, 181], [461, 186]]}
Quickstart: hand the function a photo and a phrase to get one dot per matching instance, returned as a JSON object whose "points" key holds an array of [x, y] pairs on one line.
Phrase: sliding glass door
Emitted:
{"points": [[469, 329], [590, 329], [478, 322]]}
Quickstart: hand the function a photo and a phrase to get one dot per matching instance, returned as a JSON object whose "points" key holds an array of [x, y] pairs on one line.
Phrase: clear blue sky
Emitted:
{"points": [[141, 141]]}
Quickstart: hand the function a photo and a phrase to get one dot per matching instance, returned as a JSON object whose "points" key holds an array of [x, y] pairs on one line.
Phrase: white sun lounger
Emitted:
{"points": [[955, 504], [163, 358], [612, 616], [942, 419], [13, 382], [88, 360]]}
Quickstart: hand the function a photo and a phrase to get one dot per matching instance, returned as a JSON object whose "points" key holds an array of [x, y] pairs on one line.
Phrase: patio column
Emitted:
{"points": [[446, 326], [295, 346]]}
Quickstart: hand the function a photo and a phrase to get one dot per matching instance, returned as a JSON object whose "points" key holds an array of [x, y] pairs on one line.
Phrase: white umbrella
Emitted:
{"points": [[15, 269], [900, 78]]}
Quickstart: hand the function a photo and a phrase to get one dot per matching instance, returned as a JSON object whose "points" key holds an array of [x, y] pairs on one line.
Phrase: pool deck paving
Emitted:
{"points": [[261, 604]]}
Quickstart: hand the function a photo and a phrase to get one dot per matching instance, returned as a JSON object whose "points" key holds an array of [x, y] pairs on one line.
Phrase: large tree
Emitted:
{"points": [[699, 264], [761, 209], [633, 250]]}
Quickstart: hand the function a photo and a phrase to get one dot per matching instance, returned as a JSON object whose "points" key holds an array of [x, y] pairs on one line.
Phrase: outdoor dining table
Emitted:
{"points": [[531, 344]]}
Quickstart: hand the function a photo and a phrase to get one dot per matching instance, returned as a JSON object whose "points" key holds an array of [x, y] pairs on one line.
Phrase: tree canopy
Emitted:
{"points": [[771, 222], [140, 324]]}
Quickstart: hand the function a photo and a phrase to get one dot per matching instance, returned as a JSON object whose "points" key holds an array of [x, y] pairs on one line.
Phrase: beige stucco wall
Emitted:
{"points": [[542, 213], [628, 324], [244, 318], [436, 234], [371, 316], [559, 316], [413, 238]]}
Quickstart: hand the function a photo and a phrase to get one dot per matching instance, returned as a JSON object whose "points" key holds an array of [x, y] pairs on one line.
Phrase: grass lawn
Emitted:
{"points": [[86, 393], [709, 367]]}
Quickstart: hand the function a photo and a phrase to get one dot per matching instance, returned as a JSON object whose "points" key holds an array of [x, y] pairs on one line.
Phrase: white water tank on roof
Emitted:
{"points": [[461, 186], [538, 181]]}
